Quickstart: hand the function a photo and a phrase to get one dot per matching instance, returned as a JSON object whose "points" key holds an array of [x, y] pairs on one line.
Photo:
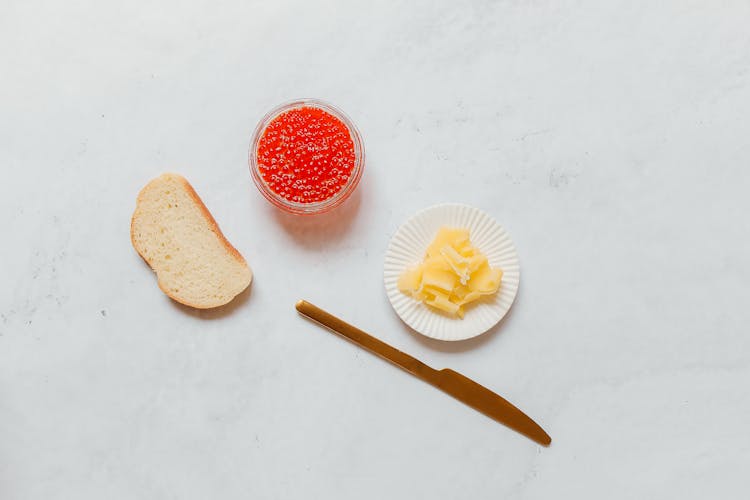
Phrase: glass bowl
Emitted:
{"points": [[314, 207]]}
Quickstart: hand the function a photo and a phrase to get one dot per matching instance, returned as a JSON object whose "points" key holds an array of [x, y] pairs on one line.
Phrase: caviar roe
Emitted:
{"points": [[305, 155]]}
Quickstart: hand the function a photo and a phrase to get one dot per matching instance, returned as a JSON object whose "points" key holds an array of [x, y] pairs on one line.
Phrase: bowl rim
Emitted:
{"points": [[320, 206]]}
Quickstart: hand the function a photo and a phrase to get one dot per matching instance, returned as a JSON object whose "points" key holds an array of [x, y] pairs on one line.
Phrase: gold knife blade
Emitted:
{"points": [[460, 387]]}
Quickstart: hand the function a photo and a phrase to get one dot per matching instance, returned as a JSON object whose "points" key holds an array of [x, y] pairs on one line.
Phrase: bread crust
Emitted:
{"points": [[212, 224]]}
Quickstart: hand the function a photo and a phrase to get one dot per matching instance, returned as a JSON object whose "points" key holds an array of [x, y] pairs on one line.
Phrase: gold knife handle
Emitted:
{"points": [[368, 342]]}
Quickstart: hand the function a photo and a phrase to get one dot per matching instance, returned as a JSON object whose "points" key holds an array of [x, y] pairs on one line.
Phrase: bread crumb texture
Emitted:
{"points": [[176, 235]]}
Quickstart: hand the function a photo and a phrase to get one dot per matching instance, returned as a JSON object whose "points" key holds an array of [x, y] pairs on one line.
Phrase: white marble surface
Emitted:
{"points": [[610, 138]]}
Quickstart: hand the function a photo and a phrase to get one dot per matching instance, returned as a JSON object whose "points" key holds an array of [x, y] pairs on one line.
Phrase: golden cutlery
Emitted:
{"points": [[460, 387]]}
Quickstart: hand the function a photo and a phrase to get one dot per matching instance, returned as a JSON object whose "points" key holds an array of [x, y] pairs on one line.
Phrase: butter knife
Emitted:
{"points": [[459, 386]]}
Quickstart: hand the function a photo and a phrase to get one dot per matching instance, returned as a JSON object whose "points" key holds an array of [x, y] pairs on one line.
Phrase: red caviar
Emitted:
{"points": [[306, 155]]}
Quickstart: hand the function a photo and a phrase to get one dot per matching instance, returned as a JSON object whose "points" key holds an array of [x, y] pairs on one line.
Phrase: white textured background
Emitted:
{"points": [[612, 139]]}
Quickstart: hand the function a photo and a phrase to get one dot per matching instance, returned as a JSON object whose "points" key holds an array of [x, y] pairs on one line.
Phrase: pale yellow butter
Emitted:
{"points": [[454, 273]]}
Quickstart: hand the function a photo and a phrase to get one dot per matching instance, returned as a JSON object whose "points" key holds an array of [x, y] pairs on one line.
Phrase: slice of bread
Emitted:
{"points": [[175, 234]]}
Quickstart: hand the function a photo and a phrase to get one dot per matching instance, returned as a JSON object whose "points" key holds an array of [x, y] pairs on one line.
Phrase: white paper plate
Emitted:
{"points": [[407, 248]]}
